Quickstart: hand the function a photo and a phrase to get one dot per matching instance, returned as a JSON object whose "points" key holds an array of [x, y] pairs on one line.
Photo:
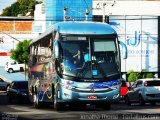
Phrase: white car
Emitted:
{"points": [[14, 66], [144, 90]]}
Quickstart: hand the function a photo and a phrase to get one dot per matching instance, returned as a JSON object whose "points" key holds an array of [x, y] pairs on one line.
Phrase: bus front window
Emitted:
{"points": [[91, 58], [106, 58], [74, 56]]}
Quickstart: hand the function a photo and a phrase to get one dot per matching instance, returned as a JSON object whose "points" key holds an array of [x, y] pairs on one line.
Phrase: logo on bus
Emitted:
{"points": [[134, 41]]}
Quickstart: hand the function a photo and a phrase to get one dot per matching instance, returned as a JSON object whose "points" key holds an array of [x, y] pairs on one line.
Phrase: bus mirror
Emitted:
{"points": [[124, 50], [56, 49]]}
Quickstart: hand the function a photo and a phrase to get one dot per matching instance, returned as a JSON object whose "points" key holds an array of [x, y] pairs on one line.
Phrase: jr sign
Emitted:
{"points": [[140, 34]]}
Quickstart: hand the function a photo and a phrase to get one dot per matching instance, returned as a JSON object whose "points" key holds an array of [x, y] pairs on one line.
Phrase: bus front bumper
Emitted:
{"points": [[66, 95]]}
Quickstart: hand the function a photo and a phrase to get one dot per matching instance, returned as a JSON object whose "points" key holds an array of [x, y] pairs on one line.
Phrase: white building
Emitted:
{"points": [[137, 24], [127, 7], [39, 24]]}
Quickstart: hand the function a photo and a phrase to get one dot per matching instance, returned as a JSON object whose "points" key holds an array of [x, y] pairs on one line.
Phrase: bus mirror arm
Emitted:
{"points": [[124, 50]]}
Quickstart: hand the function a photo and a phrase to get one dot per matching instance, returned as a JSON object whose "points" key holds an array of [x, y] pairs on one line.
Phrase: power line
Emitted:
{"points": [[10, 36]]}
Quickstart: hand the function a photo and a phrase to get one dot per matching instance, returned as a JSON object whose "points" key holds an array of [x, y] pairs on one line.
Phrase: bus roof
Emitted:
{"points": [[85, 28], [79, 28]]}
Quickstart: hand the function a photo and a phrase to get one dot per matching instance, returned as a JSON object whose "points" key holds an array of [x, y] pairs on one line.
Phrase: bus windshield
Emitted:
{"points": [[90, 57]]}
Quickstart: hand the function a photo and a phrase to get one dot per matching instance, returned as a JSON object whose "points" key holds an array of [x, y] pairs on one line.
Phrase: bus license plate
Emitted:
{"points": [[92, 97]]}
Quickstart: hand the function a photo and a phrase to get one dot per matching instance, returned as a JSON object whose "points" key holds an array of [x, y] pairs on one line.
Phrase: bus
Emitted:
{"points": [[75, 64]]}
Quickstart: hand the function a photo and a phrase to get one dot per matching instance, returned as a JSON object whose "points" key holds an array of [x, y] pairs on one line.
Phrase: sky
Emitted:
{"points": [[5, 3]]}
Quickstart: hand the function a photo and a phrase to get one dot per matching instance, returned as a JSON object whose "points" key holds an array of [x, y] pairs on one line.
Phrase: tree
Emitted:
{"points": [[133, 76], [148, 75], [7, 12], [21, 52], [20, 7]]}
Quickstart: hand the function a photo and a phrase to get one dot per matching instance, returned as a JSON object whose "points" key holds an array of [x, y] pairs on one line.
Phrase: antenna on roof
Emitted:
{"points": [[86, 14]]}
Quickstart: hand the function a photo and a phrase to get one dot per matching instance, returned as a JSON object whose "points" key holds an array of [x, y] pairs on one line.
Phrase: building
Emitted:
{"points": [[39, 23], [52, 11], [137, 25], [13, 30], [75, 10]]}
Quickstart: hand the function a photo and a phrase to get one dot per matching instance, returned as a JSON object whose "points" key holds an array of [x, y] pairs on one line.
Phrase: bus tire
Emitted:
{"points": [[36, 102], [58, 106]]}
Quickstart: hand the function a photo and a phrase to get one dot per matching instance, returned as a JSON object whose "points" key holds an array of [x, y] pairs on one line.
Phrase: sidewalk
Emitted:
{"points": [[17, 76]]}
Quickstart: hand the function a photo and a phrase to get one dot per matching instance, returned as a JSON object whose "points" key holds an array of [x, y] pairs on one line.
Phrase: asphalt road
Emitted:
{"points": [[19, 111], [118, 111]]}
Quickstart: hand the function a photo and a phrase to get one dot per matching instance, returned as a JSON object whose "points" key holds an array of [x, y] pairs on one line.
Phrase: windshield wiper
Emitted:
{"points": [[85, 66]]}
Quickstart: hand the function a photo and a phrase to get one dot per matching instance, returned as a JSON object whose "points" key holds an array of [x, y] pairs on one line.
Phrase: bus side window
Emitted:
{"points": [[34, 59]]}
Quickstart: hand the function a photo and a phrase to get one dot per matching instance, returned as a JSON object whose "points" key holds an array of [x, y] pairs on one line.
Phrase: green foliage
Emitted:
{"points": [[21, 52], [20, 7], [7, 11], [148, 75], [129, 71], [133, 76]]}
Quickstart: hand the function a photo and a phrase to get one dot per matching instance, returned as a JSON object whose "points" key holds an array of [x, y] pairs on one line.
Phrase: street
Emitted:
{"points": [[26, 111], [118, 110]]}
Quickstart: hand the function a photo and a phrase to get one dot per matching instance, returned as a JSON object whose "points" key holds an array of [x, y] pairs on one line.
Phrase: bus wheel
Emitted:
{"points": [[36, 102], [59, 106]]}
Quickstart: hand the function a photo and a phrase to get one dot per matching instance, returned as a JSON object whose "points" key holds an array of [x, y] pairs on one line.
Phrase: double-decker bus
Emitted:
{"points": [[75, 63]]}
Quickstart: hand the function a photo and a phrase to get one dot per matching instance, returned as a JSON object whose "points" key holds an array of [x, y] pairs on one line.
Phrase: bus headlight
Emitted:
{"points": [[69, 87], [115, 96]]}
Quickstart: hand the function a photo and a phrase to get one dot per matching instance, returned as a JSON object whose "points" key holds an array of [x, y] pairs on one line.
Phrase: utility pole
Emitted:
{"points": [[86, 14], [102, 6], [1, 39], [64, 13], [104, 13]]}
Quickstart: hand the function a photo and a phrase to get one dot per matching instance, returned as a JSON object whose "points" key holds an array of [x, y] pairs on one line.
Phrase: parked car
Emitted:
{"points": [[18, 90], [3, 85], [144, 90], [14, 66]]}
